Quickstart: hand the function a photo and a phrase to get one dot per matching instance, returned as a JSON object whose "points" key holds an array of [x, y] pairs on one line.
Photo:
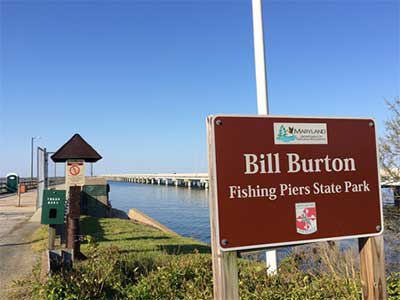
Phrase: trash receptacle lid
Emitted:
{"points": [[12, 174]]}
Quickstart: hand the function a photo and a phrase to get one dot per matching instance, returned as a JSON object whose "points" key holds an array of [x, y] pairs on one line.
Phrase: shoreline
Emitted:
{"points": [[138, 216]]}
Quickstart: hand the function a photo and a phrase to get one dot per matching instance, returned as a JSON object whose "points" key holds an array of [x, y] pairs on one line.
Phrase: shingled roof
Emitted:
{"points": [[76, 148]]}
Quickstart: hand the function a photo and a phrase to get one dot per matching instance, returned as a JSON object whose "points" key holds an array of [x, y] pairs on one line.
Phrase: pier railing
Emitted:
{"points": [[30, 183], [188, 180], [200, 180]]}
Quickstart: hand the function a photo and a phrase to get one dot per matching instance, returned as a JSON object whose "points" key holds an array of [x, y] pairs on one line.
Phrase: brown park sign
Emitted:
{"points": [[282, 181]]}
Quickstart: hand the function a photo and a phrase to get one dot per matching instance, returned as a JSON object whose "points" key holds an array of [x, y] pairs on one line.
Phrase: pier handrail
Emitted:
{"points": [[197, 176], [163, 175], [30, 183]]}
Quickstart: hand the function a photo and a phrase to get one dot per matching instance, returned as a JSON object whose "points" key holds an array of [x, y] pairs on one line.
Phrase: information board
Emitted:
{"points": [[75, 173], [283, 181]]}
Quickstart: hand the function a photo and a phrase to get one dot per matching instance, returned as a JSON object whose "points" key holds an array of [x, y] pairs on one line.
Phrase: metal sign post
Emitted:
{"points": [[259, 57], [42, 174]]}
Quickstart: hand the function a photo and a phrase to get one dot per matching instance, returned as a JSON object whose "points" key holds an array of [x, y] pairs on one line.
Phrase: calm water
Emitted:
{"points": [[183, 210]]}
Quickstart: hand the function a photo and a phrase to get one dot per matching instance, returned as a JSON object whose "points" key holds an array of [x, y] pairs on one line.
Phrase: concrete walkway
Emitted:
{"points": [[16, 255], [11, 214]]}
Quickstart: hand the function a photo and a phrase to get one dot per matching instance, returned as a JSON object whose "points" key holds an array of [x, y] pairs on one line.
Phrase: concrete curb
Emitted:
{"points": [[136, 215], [36, 216]]}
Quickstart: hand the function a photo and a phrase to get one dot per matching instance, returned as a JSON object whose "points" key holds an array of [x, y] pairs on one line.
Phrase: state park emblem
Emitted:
{"points": [[306, 218]]}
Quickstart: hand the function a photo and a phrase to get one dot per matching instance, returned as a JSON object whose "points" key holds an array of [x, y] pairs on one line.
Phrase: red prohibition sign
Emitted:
{"points": [[74, 170]]}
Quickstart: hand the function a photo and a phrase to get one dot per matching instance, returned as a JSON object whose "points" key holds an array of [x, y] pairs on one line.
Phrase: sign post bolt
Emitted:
{"points": [[224, 242], [218, 122], [371, 124], [378, 227]]}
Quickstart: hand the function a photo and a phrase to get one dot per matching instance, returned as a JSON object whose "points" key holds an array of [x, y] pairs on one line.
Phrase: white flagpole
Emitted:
{"points": [[262, 93], [259, 55]]}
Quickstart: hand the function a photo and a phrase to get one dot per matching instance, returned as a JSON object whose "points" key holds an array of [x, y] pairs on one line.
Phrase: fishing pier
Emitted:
{"points": [[188, 180]]}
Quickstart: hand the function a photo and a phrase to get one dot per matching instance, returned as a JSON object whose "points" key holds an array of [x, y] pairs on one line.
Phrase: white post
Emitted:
{"points": [[259, 56], [262, 93]]}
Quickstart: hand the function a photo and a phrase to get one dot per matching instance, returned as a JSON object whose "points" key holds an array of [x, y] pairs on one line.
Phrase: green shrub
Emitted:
{"points": [[104, 275], [188, 277], [393, 286], [148, 265], [112, 273]]}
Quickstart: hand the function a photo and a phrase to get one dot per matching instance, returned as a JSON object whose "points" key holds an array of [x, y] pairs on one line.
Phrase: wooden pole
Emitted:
{"points": [[225, 272], [19, 194], [52, 236], [372, 268], [74, 200]]}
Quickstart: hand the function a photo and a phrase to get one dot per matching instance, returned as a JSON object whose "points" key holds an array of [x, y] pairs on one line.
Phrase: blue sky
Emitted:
{"points": [[137, 79]]}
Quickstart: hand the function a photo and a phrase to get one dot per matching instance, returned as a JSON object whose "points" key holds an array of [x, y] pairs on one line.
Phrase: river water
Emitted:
{"points": [[183, 210], [186, 211]]}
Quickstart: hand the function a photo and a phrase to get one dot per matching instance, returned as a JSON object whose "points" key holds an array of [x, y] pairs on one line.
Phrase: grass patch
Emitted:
{"points": [[39, 239], [134, 237], [134, 261], [127, 236]]}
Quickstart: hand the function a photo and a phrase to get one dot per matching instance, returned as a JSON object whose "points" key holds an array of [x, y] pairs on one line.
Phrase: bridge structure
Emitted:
{"points": [[201, 180], [188, 180]]}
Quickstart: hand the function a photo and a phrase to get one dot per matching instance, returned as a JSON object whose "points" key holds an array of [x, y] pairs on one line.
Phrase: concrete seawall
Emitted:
{"points": [[138, 216]]}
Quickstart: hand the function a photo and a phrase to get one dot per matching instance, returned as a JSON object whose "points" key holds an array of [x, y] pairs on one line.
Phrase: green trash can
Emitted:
{"points": [[12, 182]]}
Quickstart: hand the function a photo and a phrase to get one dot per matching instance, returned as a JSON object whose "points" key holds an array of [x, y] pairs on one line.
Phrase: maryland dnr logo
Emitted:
{"points": [[300, 133], [286, 135], [306, 218]]}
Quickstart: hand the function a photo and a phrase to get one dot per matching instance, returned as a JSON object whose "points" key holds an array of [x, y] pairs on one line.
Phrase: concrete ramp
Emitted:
{"points": [[137, 215]]}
